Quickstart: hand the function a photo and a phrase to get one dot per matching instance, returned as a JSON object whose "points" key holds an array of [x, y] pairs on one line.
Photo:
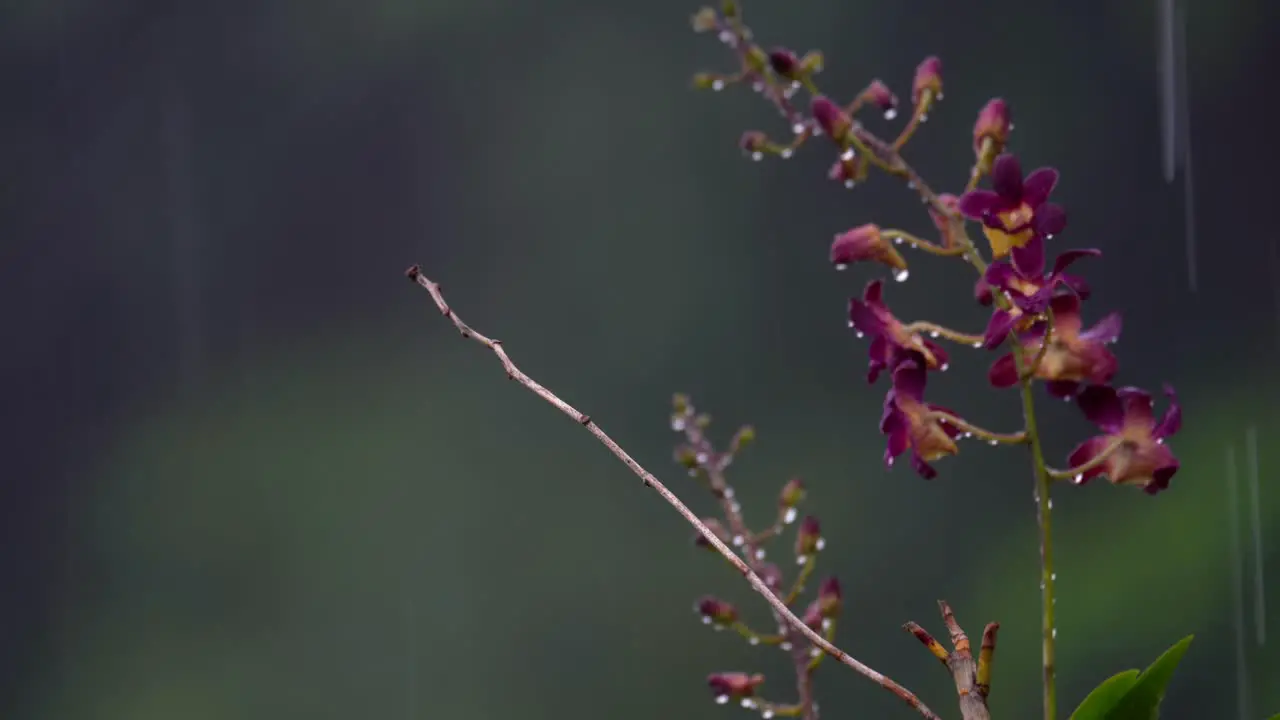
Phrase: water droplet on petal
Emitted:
{"points": [[847, 155], [943, 367], [790, 516], [722, 699], [748, 703], [933, 333], [820, 543], [1078, 479], [891, 113], [901, 275], [858, 334]]}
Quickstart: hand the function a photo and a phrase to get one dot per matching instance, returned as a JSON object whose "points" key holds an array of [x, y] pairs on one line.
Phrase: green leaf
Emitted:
{"points": [[1142, 701], [1106, 696]]}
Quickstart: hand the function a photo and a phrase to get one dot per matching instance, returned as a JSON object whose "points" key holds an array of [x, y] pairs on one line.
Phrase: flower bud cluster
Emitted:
{"points": [[696, 453]]}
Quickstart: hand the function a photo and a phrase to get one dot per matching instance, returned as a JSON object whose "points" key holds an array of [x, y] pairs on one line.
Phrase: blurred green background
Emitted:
{"points": [[251, 473]]}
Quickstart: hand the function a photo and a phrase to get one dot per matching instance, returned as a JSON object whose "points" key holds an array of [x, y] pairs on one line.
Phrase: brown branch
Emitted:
{"points": [[972, 679], [514, 373]]}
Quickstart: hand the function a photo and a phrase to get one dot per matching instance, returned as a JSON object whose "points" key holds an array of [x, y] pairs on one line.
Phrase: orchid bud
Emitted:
{"points": [[715, 611], [792, 494], [812, 62], [830, 600], [991, 132], [880, 96], [833, 120], [928, 80], [753, 141], [865, 243], [808, 538], [785, 63], [705, 20], [734, 685]]}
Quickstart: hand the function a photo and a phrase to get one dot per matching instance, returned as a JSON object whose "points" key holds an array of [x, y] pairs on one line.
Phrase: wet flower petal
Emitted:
{"points": [[1050, 220], [998, 329], [1038, 185], [1085, 452], [1003, 372], [1171, 423], [977, 204], [1006, 179], [1102, 406]]}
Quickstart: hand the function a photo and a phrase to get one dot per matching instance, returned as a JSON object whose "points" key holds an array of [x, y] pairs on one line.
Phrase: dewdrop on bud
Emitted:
{"points": [[992, 125], [878, 93], [789, 516], [830, 600], [865, 243], [785, 63]]}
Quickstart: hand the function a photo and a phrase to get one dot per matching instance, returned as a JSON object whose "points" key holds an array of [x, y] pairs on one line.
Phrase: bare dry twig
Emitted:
{"points": [[514, 373]]}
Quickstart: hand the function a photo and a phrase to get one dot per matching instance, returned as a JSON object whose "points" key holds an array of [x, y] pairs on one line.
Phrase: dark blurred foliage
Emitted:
{"points": [[251, 473]]}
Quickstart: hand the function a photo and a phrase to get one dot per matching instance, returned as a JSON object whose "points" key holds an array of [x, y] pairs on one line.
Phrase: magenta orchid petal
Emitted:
{"points": [[863, 319], [879, 351], [1062, 389], [1037, 186], [873, 293], [1003, 372], [999, 274], [1102, 406], [1006, 179], [1086, 452], [1067, 258], [1076, 284], [1106, 330], [1171, 423], [909, 380], [1138, 406], [998, 329], [1050, 220], [977, 204], [1028, 260], [926, 470]]}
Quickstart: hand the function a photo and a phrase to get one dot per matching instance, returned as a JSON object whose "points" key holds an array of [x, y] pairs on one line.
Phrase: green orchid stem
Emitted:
{"points": [[1044, 518]]}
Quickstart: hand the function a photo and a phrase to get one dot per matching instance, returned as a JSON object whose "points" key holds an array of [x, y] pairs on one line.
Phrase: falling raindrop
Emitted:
{"points": [[1243, 709], [901, 275], [1259, 597]]}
